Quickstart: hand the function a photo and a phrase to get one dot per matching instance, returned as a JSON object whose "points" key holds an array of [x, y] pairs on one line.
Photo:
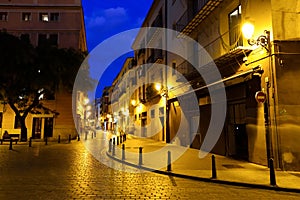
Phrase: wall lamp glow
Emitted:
{"points": [[262, 40]]}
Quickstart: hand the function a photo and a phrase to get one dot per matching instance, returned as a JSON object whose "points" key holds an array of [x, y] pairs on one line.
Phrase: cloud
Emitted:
{"points": [[95, 21], [107, 17], [115, 12]]}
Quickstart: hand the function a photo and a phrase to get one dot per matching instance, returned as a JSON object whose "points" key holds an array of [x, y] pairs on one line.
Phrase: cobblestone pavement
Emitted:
{"points": [[69, 171]]}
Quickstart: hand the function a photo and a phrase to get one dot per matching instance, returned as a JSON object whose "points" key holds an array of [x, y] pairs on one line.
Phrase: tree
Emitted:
{"points": [[29, 75]]}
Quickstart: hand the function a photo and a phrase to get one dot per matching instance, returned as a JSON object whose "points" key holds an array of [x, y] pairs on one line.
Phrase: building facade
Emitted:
{"points": [[62, 24], [258, 68], [252, 131]]}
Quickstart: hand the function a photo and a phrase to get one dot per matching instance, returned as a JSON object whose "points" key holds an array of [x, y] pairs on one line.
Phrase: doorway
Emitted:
{"points": [[42, 127], [237, 144]]}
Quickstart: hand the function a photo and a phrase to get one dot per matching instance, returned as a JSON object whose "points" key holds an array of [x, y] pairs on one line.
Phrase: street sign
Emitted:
{"points": [[260, 97]]}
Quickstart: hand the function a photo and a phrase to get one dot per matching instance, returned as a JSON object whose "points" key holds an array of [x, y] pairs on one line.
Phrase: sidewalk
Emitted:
{"points": [[189, 165]]}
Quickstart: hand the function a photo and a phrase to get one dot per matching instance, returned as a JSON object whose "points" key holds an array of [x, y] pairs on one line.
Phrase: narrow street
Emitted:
{"points": [[69, 171]]}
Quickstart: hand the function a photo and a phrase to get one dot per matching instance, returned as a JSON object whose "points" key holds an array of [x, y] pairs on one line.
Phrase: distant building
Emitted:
{"points": [[104, 110], [61, 23]]}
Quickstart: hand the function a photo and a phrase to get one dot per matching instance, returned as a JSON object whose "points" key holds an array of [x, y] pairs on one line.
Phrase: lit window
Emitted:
{"points": [[3, 16], [54, 17], [44, 17], [234, 19], [26, 17]]}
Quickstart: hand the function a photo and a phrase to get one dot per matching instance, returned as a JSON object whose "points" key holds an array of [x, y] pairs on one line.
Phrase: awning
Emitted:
{"points": [[234, 79]]}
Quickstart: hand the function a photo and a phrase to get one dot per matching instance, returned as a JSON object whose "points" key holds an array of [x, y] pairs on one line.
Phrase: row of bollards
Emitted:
{"points": [[271, 166], [169, 161], [45, 140], [94, 134]]}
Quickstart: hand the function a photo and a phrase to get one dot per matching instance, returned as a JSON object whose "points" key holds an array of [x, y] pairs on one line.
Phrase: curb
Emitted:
{"points": [[211, 180]]}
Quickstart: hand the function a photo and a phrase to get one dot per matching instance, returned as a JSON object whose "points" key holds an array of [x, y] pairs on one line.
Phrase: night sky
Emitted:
{"points": [[105, 18]]}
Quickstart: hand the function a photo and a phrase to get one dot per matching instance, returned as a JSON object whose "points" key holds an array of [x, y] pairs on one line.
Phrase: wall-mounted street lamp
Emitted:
{"points": [[133, 102], [163, 91], [262, 40]]}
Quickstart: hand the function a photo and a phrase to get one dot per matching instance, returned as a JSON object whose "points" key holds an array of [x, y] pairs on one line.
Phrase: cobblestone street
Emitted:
{"points": [[69, 171]]}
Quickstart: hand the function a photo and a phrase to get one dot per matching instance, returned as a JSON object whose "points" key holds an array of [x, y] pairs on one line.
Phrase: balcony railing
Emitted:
{"points": [[141, 51], [156, 55], [155, 27], [187, 70], [197, 11]]}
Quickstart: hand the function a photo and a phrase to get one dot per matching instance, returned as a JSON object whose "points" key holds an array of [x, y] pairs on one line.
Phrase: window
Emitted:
{"points": [[234, 19], [173, 68], [25, 37], [42, 39], [3, 16], [26, 17], [44, 17], [54, 17], [152, 113], [17, 123], [53, 39], [161, 111], [142, 71]]}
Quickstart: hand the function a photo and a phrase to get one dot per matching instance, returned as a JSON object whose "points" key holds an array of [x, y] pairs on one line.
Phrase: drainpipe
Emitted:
{"points": [[168, 138]]}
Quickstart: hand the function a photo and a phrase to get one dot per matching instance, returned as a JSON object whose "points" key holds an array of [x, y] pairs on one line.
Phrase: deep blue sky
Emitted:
{"points": [[105, 18]]}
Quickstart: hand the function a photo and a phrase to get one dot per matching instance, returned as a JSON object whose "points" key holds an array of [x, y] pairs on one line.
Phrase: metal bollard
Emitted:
{"points": [[78, 137], [140, 156], [213, 167], [272, 172], [117, 140], [109, 145], [169, 168], [114, 150], [123, 152], [85, 135], [70, 138], [58, 139], [114, 141], [92, 135], [46, 140], [30, 141], [10, 144]]}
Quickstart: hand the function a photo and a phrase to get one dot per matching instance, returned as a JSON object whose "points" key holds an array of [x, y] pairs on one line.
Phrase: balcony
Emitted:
{"points": [[155, 28], [141, 52], [156, 56], [187, 70], [196, 12]]}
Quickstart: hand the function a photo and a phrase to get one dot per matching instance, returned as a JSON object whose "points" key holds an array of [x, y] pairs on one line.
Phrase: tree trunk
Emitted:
{"points": [[23, 129]]}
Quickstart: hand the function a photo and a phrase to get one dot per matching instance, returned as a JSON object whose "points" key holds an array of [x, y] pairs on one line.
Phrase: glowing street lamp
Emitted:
{"points": [[248, 30], [158, 86], [263, 40]]}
